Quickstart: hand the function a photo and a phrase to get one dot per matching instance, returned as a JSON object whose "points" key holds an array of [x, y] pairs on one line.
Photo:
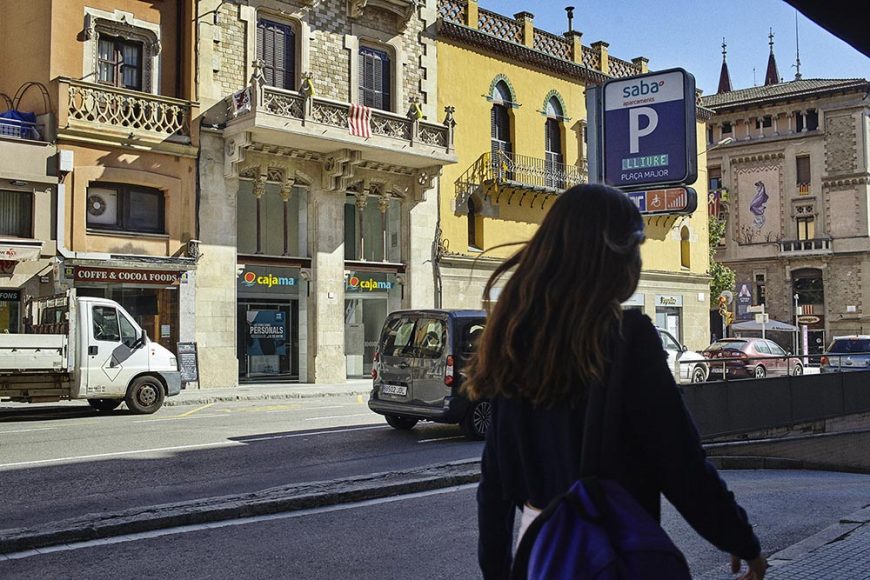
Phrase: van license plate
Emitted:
{"points": [[394, 390]]}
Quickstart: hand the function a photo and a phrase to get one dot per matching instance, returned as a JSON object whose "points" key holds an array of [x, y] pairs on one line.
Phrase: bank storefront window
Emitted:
{"points": [[669, 314], [10, 305], [369, 297], [268, 323]]}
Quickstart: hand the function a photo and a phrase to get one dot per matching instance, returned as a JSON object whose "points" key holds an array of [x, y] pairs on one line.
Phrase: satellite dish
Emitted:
{"points": [[729, 296]]}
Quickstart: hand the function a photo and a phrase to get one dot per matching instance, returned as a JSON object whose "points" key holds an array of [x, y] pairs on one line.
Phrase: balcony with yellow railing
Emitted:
{"points": [[102, 114]]}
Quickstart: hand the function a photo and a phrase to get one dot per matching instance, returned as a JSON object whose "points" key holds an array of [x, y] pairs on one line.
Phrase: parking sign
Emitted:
{"points": [[649, 134]]}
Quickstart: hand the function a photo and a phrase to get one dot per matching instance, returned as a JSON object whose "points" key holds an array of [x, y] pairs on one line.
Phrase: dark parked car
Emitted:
{"points": [[847, 353], [417, 371], [753, 357]]}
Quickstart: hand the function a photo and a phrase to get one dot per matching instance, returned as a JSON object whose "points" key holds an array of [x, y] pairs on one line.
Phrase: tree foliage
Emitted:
{"points": [[723, 277]]}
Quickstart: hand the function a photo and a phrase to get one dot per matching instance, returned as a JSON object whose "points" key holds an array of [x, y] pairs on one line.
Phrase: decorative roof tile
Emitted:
{"points": [[781, 91]]}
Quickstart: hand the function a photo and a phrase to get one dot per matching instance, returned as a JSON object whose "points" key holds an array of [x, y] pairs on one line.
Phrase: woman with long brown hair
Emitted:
{"points": [[548, 339]]}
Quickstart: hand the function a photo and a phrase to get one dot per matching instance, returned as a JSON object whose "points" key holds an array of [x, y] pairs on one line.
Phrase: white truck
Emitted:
{"points": [[85, 348]]}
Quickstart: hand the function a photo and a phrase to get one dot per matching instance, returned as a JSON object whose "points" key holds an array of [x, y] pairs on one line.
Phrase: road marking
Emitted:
{"points": [[209, 416], [119, 453], [441, 438], [27, 430], [369, 414], [139, 536], [197, 410], [310, 433]]}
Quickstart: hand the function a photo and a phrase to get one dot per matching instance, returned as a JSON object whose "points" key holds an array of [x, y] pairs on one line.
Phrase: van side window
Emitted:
{"points": [[106, 324], [129, 334], [471, 338]]}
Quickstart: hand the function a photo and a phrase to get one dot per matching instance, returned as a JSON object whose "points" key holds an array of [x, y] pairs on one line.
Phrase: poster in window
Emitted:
{"points": [[267, 332]]}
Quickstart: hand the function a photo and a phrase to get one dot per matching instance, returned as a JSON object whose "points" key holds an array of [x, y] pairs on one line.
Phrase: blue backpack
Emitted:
{"points": [[597, 529]]}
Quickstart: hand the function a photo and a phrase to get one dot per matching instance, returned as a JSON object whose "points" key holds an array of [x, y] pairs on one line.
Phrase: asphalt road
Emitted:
{"points": [[422, 536], [65, 461]]}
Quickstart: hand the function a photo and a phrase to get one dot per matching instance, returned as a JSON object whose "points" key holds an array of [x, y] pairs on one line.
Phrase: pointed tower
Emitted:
{"points": [[771, 77], [724, 75]]}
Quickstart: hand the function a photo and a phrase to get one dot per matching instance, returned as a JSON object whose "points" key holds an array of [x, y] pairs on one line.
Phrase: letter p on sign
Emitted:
{"points": [[634, 130]]}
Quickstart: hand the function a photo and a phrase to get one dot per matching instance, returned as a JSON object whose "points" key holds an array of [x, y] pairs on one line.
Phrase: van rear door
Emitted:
{"points": [[396, 347], [413, 351]]}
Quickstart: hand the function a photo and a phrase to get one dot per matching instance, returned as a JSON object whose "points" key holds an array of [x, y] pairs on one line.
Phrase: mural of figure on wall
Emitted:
{"points": [[759, 204]]}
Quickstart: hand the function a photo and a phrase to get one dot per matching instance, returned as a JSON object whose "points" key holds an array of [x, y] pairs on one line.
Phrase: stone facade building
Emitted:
{"points": [[321, 149], [520, 138], [97, 171], [789, 173]]}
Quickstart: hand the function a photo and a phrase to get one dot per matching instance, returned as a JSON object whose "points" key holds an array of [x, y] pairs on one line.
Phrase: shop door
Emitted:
{"points": [[669, 319], [267, 345], [364, 318]]}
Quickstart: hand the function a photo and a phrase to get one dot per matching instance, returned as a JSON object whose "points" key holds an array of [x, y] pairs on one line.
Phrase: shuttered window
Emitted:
{"points": [[276, 47], [16, 214], [374, 78]]}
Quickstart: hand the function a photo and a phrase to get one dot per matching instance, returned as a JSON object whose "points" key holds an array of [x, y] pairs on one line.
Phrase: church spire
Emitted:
{"points": [[724, 75], [771, 77]]}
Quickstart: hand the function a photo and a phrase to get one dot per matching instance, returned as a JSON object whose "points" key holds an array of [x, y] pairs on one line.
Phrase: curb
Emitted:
{"points": [[833, 533], [268, 501], [206, 399]]}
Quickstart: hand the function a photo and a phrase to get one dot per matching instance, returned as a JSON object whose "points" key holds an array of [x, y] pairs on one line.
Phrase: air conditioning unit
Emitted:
{"points": [[193, 249]]}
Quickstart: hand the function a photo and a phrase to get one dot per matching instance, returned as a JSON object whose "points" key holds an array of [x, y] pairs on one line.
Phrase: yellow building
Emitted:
{"points": [[520, 138]]}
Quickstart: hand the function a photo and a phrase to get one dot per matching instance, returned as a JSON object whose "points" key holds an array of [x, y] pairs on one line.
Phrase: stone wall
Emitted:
{"points": [[230, 53], [841, 143]]}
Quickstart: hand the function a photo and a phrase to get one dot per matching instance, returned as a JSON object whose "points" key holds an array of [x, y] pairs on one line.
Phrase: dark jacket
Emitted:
{"points": [[533, 454]]}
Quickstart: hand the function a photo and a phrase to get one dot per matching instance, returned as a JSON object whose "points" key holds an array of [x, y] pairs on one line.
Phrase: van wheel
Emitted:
{"points": [[401, 423], [105, 404], [477, 420], [144, 395]]}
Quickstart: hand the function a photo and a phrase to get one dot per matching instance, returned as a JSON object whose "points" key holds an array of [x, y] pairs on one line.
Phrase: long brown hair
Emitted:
{"points": [[547, 336]]}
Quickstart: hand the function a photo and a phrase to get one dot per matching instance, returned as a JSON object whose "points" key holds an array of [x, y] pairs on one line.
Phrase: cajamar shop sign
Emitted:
{"points": [[125, 276]]}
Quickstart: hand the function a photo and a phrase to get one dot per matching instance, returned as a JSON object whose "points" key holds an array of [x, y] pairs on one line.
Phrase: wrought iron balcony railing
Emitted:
{"points": [[501, 171], [100, 106], [806, 247], [305, 107]]}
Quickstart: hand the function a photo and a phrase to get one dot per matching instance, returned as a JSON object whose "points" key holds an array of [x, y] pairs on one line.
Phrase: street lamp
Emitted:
{"points": [[725, 141]]}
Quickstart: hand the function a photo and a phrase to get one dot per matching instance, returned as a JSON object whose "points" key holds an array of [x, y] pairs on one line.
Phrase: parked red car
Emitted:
{"points": [[754, 357]]}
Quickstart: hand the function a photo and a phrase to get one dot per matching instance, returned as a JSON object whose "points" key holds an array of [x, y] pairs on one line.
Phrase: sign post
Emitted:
{"points": [[649, 137]]}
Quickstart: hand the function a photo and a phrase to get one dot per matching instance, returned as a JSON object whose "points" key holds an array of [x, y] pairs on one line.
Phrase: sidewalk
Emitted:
{"points": [[267, 391], [840, 551]]}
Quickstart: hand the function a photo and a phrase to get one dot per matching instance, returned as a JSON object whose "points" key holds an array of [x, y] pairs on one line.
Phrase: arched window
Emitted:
{"points": [[474, 232], [500, 126], [553, 143], [685, 248]]}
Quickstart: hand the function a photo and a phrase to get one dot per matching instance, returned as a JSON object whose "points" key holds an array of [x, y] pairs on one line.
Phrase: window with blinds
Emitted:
{"points": [[16, 214], [276, 47], [375, 78]]}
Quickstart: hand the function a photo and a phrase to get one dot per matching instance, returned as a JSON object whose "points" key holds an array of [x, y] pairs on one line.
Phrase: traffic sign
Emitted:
{"points": [[762, 318], [649, 136], [754, 309], [674, 200]]}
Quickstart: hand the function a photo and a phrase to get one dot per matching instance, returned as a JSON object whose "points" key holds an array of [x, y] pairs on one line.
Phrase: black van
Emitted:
{"points": [[417, 370]]}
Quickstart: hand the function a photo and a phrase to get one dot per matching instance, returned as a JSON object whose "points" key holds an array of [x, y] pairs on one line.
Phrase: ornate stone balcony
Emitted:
{"points": [[816, 247], [302, 121], [102, 114]]}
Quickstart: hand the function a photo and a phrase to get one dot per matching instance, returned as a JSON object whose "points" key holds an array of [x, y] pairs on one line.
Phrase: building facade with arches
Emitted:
{"points": [[520, 140]]}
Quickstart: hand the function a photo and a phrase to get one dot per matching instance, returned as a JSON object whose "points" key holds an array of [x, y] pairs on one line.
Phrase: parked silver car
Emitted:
{"points": [[688, 366], [847, 353]]}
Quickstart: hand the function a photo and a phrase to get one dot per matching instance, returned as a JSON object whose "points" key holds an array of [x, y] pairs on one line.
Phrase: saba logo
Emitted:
{"points": [[249, 279], [642, 89]]}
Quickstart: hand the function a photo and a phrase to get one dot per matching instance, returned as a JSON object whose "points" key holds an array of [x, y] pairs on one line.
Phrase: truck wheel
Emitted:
{"points": [[144, 395], [401, 423], [477, 420], [105, 404]]}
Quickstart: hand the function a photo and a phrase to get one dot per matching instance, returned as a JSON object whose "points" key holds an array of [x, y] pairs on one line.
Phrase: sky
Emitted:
{"points": [[688, 34]]}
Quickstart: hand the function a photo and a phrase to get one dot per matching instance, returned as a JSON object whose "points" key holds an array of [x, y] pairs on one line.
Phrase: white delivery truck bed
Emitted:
{"points": [[33, 353]]}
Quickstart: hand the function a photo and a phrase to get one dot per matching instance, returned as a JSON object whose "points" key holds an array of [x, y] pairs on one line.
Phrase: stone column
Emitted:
{"points": [[748, 128], [326, 362], [215, 278], [526, 20], [362, 201], [422, 223]]}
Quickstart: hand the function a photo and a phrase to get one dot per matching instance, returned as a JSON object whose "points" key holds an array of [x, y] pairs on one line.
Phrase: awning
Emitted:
{"points": [[20, 250], [770, 325]]}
